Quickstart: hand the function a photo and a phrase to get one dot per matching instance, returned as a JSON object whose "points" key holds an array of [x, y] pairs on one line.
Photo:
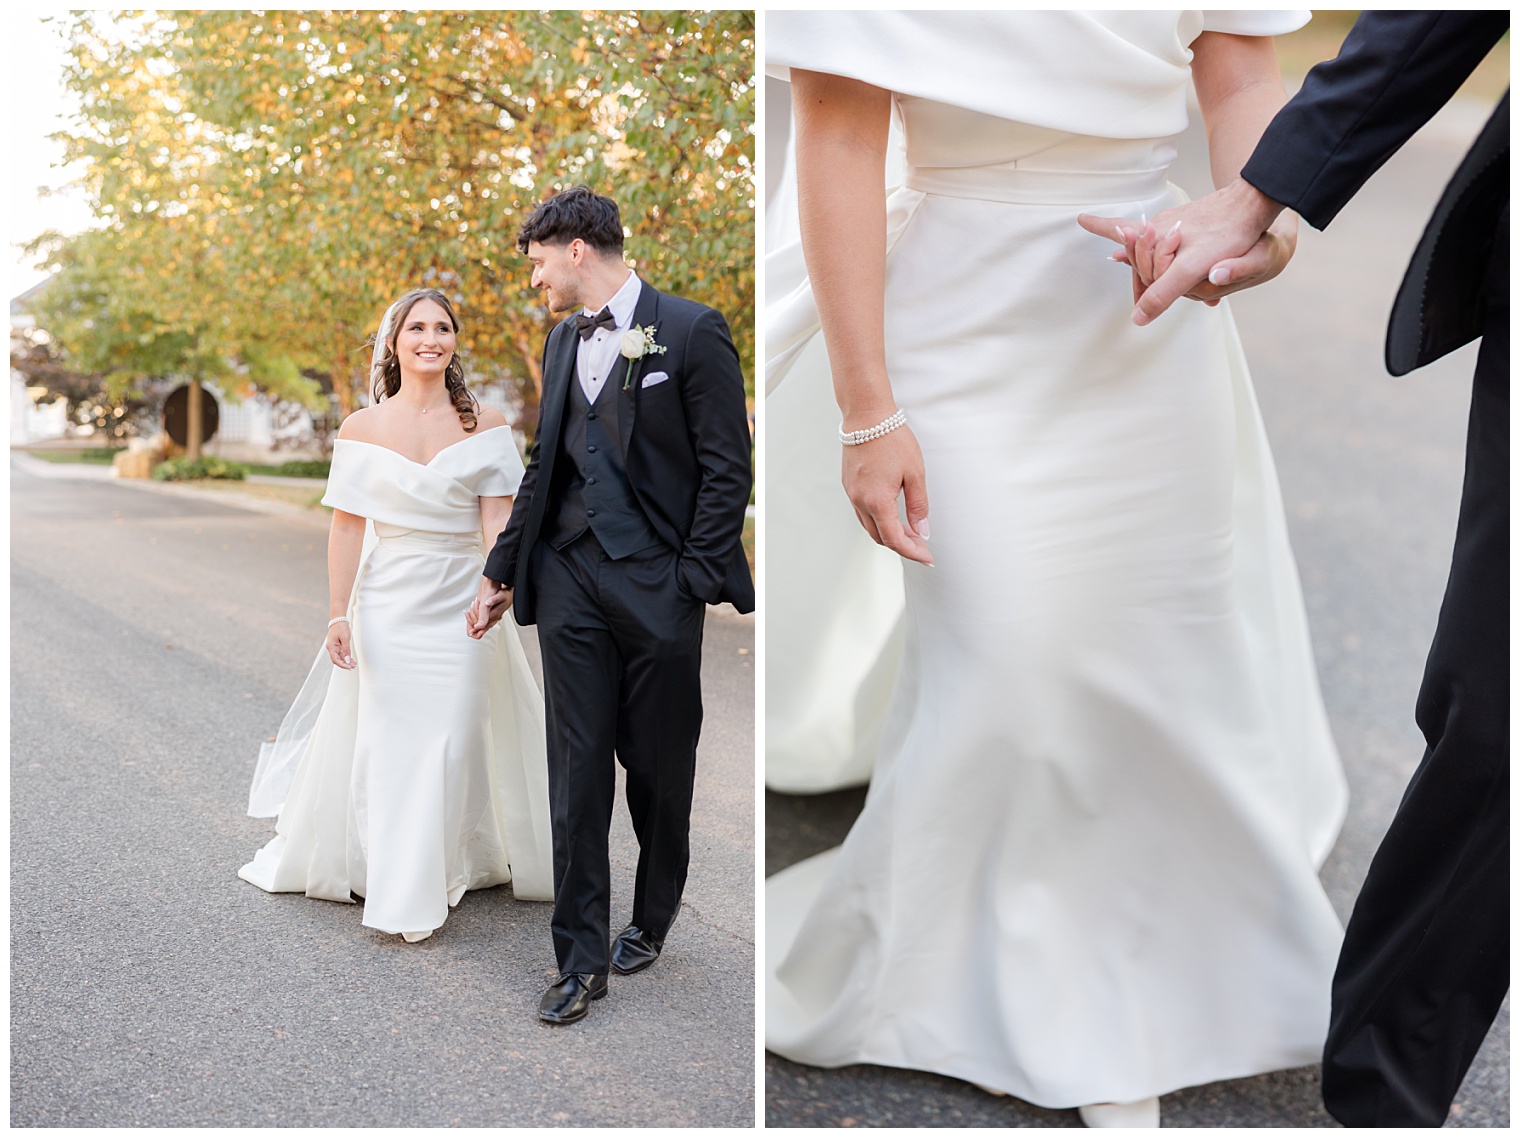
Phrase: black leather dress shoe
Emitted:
{"points": [[569, 998], [634, 950]]}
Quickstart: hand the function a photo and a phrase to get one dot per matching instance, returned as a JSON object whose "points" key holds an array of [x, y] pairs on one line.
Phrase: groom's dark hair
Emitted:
{"points": [[574, 213]]}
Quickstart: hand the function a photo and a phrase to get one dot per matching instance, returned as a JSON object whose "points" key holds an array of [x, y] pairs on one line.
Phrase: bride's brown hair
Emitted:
{"points": [[386, 370]]}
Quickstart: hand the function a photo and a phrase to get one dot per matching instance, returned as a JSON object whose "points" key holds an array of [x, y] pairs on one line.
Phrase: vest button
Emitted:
{"points": [[591, 513], [591, 414], [591, 482], [591, 450]]}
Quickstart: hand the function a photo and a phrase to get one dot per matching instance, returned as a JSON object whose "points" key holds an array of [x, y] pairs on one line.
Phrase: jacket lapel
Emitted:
{"points": [[558, 373], [557, 379], [646, 313]]}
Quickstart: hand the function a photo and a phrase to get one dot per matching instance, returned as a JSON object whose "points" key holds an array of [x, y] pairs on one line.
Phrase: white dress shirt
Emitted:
{"points": [[597, 357]]}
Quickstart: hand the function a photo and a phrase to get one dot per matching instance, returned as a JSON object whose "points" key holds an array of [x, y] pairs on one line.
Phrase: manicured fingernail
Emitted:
{"points": [[1219, 275], [1139, 318], [1143, 222], [1174, 230], [923, 528]]}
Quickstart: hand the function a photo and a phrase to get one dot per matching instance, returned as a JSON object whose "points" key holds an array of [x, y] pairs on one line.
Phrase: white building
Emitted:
{"points": [[31, 422]]}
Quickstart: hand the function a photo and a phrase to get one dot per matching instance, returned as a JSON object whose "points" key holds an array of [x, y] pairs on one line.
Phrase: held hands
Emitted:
{"points": [[1232, 239], [486, 610], [875, 473], [340, 647]]}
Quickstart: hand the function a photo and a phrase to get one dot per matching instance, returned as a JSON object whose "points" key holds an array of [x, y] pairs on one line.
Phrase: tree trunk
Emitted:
{"points": [[350, 375], [193, 419]]}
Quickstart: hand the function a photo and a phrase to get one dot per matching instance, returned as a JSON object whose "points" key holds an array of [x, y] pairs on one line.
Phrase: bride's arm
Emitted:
{"points": [[1239, 90], [494, 515], [841, 180], [489, 603], [345, 543]]}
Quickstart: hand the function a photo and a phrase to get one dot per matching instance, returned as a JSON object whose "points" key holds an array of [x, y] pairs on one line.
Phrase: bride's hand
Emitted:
{"points": [[1229, 240], [1151, 251], [340, 647], [1149, 245], [875, 473]]}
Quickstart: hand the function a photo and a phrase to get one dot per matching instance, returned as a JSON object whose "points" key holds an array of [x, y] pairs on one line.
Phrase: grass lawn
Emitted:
{"points": [[102, 456], [277, 471], [305, 496], [93, 456]]}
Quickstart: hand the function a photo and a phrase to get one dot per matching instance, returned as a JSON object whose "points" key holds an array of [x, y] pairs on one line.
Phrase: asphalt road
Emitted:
{"points": [[156, 640], [1371, 471]]}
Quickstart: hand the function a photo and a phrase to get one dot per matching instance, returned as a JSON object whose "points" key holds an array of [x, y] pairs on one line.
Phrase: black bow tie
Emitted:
{"points": [[586, 325]]}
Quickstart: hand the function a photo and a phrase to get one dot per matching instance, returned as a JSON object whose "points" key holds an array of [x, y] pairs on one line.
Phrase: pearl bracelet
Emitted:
{"points": [[335, 620], [897, 419]]}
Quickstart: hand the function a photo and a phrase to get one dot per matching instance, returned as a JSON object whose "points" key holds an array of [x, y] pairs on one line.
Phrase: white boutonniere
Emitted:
{"points": [[638, 342]]}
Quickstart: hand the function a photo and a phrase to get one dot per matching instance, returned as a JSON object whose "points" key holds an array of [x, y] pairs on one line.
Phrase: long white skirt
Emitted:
{"points": [[421, 773], [1103, 776]]}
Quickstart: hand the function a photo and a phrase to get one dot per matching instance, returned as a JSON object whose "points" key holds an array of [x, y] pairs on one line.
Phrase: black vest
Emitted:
{"points": [[595, 492]]}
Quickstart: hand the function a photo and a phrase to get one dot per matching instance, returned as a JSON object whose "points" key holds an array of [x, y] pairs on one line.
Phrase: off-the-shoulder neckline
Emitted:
{"points": [[429, 462]]}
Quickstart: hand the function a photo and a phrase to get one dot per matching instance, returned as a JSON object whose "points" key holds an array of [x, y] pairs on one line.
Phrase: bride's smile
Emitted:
{"points": [[426, 344]]}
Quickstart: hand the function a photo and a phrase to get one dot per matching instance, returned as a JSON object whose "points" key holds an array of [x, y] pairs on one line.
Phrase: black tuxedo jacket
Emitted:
{"points": [[686, 447], [1395, 70]]}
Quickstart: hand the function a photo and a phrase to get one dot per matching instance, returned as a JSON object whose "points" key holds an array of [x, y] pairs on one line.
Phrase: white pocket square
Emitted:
{"points": [[654, 377]]}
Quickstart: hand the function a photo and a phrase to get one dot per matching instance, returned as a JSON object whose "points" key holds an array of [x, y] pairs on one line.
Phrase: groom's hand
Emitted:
{"points": [[496, 608], [1227, 241], [491, 602]]}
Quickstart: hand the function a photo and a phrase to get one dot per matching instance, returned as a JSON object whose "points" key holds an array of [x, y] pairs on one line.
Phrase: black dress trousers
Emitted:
{"points": [[622, 654], [1425, 964]]}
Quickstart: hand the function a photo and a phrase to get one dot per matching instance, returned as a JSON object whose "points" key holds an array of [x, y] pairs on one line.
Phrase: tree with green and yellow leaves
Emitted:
{"points": [[267, 182]]}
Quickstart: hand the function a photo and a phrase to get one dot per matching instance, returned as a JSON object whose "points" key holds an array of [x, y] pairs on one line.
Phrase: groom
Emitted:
{"points": [[1425, 964], [626, 526]]}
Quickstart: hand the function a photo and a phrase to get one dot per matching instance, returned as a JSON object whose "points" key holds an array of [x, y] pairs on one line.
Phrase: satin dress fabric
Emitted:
{"points": [[1101, 774], [422, 772]]}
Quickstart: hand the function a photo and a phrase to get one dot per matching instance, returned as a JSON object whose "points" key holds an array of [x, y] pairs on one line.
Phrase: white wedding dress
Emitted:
{"points": [[1101, 775], [422, 772]]}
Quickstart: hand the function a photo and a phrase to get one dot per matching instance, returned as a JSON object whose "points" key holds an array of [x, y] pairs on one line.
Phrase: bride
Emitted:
{"points": [[412, 765], [1102, 779]]}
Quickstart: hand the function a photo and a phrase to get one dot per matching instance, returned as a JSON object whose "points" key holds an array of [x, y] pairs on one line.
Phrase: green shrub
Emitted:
{"points": [[188, 469], [304, 468]]}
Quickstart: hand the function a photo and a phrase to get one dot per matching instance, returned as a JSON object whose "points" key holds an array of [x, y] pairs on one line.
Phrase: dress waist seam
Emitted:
{"points": [[1014, 186], [430, 541]]}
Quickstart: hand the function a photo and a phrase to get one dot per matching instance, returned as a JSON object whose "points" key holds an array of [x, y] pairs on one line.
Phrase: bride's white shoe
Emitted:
{"points": [[1143, 1114], [413, 938]]}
